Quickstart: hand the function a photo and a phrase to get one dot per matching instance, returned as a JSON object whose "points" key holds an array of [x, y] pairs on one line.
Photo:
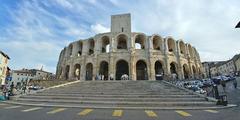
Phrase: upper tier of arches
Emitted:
{"points": [[105, 43]]}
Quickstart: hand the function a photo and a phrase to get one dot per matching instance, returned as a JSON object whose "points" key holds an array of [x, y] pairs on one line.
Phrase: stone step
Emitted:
{"points": [[120, 95], [118, 103], [136, 99], [115, 93]]}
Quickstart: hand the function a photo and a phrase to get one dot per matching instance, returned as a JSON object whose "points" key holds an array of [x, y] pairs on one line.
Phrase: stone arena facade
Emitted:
{"points": [[136, 54]]}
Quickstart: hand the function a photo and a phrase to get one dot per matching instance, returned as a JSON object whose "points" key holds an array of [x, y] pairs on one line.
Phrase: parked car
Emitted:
{"points": [[216, 80]]}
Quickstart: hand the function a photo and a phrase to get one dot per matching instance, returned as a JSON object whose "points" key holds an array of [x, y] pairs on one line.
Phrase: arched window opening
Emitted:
{"points": [[105, 44], [91, 47], [67, 69], [80, 49], [141, 70], [173, 70], [77, 71], [171, 45], [103, 71], [122, 42], [89, 71], [182, 48], [158, 70], [157, 43], [140, 42], [185, 71], [190, 51], [121, 69]]}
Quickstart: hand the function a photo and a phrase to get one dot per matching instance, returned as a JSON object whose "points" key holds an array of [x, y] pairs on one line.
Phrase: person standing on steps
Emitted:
{"points": [[223, 83], [235, 83]]}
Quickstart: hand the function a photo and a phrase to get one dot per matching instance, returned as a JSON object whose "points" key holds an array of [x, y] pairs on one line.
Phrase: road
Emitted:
{"points": [[13, 112]]}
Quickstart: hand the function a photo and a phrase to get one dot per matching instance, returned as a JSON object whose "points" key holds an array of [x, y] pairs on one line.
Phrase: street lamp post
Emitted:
{"points": [[238, 25]]}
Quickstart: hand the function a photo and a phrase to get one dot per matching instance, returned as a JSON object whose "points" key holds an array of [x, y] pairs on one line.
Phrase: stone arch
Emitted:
{"points": [[194, 71], [80, 48], [190, 50], [70, 50], [159, 71], [195, 52], [122, 41], [157, 42], [122, 68], [140, 41], [105, 44], [91, 45], [182, 48], [171, 45], [186, 71], [141, 70], [89, 71], [77, 71], [67, 70], [173, 70], [104, 69]]}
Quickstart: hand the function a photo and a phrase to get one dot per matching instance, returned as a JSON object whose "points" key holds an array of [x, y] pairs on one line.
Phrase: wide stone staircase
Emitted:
{"points": [[117, 94]]}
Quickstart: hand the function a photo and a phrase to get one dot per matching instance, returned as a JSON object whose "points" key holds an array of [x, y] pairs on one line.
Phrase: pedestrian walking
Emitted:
{"points": [[11, 88], [235, 83], [223, 83]]}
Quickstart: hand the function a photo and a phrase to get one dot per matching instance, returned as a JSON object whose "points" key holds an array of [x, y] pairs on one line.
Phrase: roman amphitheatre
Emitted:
{"points": [[134, 54]]}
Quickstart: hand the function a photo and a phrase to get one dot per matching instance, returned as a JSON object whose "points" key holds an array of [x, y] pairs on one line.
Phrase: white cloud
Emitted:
{"points": [[65, 3], [98, 28], [37, 34]]}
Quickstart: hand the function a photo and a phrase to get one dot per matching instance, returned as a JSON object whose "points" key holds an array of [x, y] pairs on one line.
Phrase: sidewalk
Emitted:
{"points": [[233, 94]]}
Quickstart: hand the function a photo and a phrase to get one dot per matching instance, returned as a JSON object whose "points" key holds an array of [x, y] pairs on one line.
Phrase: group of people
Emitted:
{"points": [[124, 77], [102, 77], [10, 89]]}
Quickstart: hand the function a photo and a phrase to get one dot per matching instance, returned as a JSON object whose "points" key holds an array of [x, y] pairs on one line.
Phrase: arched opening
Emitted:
{"points": [[157, 43], [67, 69], [190, 51], [122, 42], [91, 47], [70, 50], [185, 71], [104, 70], [158, 70], [77, 71], [182, 48], [121, 69], [140, 42], [89, 71], [173, 70], [141, 70], [80, 46], [171, 45], [105, 44], [194, 71]]}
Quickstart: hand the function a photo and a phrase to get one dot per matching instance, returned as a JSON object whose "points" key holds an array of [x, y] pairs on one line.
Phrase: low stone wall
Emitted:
{"points": [[47, 83]]}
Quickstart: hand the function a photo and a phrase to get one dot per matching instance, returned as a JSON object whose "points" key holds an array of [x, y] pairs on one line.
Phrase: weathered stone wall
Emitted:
{"points": [[122, 51], [180, 56]]}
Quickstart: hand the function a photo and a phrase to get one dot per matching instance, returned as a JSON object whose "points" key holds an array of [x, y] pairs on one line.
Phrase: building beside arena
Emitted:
{"points": [[123, 52]]}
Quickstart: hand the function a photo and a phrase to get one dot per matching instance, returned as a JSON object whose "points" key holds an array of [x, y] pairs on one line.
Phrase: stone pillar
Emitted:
{"points": [[132, 67], [71, 71], [152, 69], [75, 49], [83, 70], [166, 66]]}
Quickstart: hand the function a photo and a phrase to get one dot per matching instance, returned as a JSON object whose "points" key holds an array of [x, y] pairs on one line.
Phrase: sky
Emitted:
{"points": [[33, 32]]}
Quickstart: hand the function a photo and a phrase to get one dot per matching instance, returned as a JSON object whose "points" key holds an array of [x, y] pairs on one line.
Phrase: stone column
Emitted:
{"points": [[152, 69], [71, 71], [83, 70]]}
